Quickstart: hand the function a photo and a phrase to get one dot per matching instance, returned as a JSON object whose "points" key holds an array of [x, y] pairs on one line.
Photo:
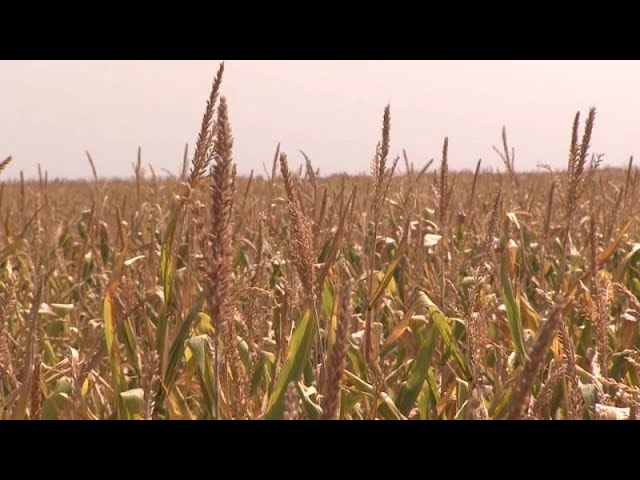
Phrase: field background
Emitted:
{"points": [[412, 293]]}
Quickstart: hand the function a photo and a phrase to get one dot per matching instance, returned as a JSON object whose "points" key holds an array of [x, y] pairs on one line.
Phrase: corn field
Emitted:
{"points": [[411, 293]]}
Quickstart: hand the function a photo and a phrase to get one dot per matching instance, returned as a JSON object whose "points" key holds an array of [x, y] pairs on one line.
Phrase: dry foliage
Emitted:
{"points": [[422, 295]]}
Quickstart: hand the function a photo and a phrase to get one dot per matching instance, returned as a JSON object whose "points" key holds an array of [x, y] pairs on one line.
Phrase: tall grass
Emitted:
{"points": [[397, 295]]}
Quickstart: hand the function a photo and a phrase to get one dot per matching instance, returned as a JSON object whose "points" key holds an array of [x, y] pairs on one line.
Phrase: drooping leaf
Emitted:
{"points": [[606, 254], [625, 262], [398, 331], [387, 278]]}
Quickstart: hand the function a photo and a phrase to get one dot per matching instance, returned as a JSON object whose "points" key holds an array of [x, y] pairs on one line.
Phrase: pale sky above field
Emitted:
{"points": [[52, 111]]}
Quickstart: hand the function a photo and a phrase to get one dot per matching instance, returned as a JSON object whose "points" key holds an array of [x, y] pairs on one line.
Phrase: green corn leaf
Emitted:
{"points": [[296, 360], [513, 313], [411, 389]]}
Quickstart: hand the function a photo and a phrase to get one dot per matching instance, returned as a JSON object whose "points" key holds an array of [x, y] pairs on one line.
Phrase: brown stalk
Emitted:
{"points": [[23, 195], [243, 210], [36, 392], [443, 189], [185, 163], [379, 173], [223, 174], [7, 303], [633, 300], [406, 162], [319, 217], [93, 167], [546, 393], [575, 394], [138, 174], [150, 380], [508, 159], [5, 163], [202, 155], [493, 225], [478, 339], [473, 186], [522, 392], [627, 181], [444, 197], [575, 181], [336, 362], [335, 243], [31, 349], [545, 234], [301, 237], [611, 223], [600, 315]]}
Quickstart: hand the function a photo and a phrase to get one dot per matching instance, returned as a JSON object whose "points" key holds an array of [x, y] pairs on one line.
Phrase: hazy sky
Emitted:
{"points": [[51, 111]]}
